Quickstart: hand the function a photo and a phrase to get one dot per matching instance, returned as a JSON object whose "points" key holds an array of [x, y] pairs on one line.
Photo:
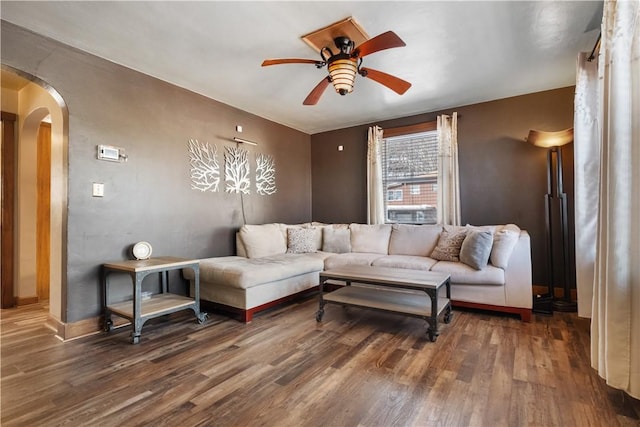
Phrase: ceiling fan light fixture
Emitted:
{"points": [[343, 74]]}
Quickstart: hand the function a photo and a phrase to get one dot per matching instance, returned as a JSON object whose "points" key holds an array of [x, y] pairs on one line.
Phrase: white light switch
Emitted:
{"points": [[98, 189]]}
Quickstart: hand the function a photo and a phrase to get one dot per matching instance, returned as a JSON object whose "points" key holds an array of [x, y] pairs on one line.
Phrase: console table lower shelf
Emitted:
{"points": [[407, 292], [157, 305]]}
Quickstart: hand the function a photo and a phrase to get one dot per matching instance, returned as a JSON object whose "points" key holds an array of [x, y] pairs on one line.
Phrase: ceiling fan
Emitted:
{"points": [[344, 65]]}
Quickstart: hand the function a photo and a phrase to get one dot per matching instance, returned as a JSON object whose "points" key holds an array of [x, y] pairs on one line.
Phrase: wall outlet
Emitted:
{"points": [[98, 189]]}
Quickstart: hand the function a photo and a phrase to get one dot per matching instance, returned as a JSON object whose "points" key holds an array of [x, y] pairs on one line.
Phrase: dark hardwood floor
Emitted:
{"points": [[357, 368]]}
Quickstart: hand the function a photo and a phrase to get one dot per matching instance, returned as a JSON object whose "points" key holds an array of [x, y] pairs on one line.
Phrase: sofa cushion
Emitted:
{"points": [[405, 261], [463, 274], [449, 244], [352, 258], [337, 240], [504, 241], [301, 240], [476, 249], [317, 233], [417, 240], [245, 273], [263, 240], [491, 228], [370, 238]]}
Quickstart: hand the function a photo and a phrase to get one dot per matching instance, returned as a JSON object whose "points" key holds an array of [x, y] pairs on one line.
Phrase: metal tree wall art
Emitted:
{"points": [[236, 170], [205, 171], [265, 175]]}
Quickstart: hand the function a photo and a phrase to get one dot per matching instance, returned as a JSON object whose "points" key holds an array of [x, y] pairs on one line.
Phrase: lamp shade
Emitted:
{"points": [[343, 73], [544, 139]]}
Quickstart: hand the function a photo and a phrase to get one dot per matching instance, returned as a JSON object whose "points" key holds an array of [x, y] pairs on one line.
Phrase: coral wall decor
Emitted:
{"points": [[265, 174], [205, 170], [236, 170]]}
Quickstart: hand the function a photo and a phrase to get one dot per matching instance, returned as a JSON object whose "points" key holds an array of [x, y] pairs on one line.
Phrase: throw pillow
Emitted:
{"points": [[449, 245], [317, 233], [336, 240], [504, 242], [476, 249], [263, 240], [301, 240]]}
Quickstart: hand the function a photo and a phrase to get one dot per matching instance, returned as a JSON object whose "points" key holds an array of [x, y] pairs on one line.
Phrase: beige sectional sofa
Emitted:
{"points": [[276, 262]]}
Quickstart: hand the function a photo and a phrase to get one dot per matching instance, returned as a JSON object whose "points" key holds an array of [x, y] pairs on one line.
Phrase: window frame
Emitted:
{"points": [[398, 132]]}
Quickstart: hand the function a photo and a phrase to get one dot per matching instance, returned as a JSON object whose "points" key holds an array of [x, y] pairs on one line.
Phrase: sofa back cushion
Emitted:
{"points": [[417, 240], [370, 238], [263, 240]]}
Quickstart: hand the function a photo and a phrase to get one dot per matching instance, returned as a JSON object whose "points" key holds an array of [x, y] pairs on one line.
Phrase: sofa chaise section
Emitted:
{"points": [[253, 284]]}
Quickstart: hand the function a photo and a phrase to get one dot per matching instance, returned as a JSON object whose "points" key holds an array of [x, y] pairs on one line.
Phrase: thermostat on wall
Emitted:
{"points": [[110, 153]]}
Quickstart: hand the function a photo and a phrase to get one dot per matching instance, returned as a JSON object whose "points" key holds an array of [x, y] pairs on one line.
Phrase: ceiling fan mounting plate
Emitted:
{"points": [[326, 36]]}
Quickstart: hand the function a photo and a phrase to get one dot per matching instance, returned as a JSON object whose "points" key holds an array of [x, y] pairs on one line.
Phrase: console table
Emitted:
{"points": [[139, 310], [389, 292]]}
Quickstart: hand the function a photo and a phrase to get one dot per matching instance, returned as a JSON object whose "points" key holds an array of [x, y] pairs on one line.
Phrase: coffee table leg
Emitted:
{"points": [[432, 320], [320, 312]]}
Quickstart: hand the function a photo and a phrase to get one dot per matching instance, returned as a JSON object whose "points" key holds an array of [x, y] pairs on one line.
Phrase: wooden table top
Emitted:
{"points": [[156, 263], [387, 275]]}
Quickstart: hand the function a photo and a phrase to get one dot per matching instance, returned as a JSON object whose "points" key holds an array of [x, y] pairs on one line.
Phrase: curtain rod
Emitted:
{"points": [[596, 47]]}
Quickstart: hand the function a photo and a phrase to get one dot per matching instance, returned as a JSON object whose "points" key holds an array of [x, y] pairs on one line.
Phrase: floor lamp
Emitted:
{"points": [[557, 230]]}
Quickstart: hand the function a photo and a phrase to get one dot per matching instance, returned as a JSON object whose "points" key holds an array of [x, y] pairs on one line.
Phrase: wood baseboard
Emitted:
{"points": [[26, 300], [81, 328]]}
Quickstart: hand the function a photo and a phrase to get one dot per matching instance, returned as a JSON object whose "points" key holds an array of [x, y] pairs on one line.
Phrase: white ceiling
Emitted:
{"points": [[457, 53]]}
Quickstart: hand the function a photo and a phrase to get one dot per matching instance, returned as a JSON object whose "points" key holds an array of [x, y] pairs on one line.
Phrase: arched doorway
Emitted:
{"points": [[35, 102]]}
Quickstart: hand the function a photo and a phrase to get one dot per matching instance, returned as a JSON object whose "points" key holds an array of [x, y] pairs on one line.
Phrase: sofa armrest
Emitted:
{"points": [[518, 286]]}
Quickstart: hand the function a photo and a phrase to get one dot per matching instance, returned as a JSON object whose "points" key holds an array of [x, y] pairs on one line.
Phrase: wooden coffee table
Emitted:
{"points": [[393, 291]]}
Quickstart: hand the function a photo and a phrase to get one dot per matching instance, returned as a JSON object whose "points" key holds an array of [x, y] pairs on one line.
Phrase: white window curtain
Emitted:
{"points": [[615, 324], [448, 174], [375, 195], [586, 152]]}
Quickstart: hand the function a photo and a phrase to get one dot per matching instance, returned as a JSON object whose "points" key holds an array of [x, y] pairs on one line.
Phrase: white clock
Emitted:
{"points": [[142, 250]]}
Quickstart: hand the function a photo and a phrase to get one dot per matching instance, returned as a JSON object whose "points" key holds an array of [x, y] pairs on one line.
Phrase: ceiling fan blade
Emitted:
{"points": [[316, 93], [292, 61], [392, 82], [383, 41]]}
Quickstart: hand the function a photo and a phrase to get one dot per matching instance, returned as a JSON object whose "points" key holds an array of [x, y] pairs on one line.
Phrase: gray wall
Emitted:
{"points": [[502, 178], [149, 198]]}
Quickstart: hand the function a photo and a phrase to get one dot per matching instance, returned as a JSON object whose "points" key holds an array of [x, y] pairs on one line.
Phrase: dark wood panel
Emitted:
{"points": [[358, 367], [8, 207]]}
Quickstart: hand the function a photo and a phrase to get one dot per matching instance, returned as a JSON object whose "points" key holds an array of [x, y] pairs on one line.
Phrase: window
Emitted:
{"points": [[410, 160], [394, 195]]}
